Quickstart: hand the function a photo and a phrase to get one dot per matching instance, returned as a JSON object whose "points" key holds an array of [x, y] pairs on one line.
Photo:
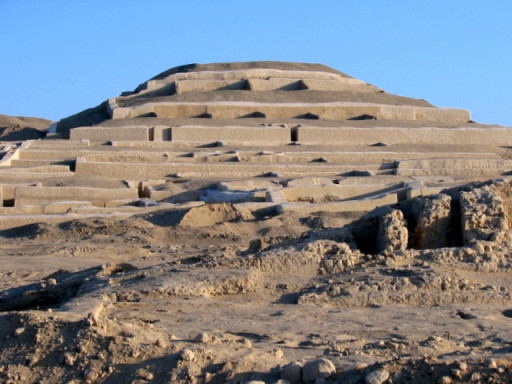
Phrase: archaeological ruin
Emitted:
{"points": [[259, 222]]}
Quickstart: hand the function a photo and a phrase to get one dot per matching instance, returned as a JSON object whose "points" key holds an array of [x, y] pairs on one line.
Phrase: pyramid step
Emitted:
{"points": [[41, 162], [454, 167]]}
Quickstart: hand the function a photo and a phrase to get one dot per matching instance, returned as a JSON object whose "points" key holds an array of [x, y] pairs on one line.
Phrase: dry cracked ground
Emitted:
{"points": [[416, 292]]}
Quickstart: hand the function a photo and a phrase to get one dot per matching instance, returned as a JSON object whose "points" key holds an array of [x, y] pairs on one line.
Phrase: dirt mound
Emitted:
{"points": [[13, 128], [212, 214]]}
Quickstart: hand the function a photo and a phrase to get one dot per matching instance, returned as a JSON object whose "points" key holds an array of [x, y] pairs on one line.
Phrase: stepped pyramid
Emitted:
{"points": [[264, 135]]}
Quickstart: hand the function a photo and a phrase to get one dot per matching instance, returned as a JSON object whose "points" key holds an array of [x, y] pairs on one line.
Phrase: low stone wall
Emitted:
{"points": [[28, 195], [184, 85], [390, 135], [333, 192], [349, 85], [104, 134], [340, 206], [324, 111], [274, 134], [142, 171], [454, 167]]}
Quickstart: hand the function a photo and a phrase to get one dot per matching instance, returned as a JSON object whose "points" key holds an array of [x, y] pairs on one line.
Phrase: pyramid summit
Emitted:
{"points": [[252, 93]]}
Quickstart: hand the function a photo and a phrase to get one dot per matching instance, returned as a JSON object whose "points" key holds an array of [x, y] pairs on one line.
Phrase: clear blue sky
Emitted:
{"points": [[58, 57]]}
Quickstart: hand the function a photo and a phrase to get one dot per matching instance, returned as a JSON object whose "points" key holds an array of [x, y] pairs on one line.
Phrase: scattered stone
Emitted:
{"points": [[145, 202], [378, 376], [318, 368], [292, 372], [144, 374], [445, 380], [18, 331], [187, 355], [91, 375], [203, 337], [161, 342], [69, 359]]}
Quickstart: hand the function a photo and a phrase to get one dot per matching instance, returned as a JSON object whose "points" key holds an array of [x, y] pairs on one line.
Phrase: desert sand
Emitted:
{"points": [[281, 251]]}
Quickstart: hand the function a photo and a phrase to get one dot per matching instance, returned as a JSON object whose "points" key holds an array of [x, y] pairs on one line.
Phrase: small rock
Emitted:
{"points": [[144, 374], [491, 363], [91, 375], [278, 353], [69, 359], [18, 331], [463, 366], [476, 376], [187, 355], [203, 337], [378, 376], [457, 373], [247, 343], [32, 361], [318, 368], [145, 202], [445, 380], [161, 343], [292, 372]]}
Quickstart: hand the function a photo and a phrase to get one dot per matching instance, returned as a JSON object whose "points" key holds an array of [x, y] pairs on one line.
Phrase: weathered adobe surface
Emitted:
{"points": [[213, 303]]}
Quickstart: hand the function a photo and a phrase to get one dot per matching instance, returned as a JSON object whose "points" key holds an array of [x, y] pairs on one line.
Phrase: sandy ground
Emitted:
{"points": [[216, 295]]}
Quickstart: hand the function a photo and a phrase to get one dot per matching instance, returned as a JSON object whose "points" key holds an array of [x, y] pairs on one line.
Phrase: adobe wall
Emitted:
{"points": [[454, 167], [142, 171], [276, 135], [332, 192], [325, 111], [104, 134], [390, 135], [28, 195], [340, 206]]}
